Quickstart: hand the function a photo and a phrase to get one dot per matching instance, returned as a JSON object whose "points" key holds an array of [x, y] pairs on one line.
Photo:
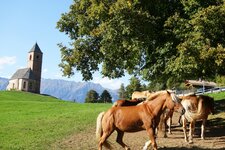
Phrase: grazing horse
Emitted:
{"points": [[122, 102], [196, 108], [141, 95], [134, 118]]}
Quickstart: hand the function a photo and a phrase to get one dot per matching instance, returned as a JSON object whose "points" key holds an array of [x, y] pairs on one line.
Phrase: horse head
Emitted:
{"points": [[175, 102]]}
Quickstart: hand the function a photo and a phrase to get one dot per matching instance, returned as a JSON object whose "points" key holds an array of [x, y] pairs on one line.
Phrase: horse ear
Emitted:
{"points": [[168, 91]]}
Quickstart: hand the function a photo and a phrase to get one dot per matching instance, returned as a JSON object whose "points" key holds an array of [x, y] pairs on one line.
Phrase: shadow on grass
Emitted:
{"points": [[219, 106]]}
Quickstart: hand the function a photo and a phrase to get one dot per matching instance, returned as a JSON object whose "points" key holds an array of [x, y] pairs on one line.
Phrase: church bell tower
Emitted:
{"points": [[35, 64]]}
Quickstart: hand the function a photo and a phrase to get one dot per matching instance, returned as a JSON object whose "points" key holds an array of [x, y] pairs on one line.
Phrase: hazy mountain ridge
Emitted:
{"points": [[67, 90], [3, 83]]}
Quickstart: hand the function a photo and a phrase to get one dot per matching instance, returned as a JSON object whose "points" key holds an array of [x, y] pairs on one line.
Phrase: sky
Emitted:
{"points": [[25, 22]]}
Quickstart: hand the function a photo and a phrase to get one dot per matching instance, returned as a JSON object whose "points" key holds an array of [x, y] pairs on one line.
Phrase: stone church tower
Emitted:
{"points": [[35, 64], [28, 79]]}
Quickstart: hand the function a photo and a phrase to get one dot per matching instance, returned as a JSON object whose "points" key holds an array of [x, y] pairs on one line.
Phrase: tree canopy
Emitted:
{"points": [[105, 97], [155, 39], [92, 97]]}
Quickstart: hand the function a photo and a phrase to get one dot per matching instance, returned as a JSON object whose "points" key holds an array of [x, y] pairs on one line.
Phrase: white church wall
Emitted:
{"points": [[13, 84]]}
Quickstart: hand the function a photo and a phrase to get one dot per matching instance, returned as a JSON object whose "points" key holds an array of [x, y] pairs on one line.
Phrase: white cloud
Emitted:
{"points": [[6, 60], [108, 83], [45, 70]]}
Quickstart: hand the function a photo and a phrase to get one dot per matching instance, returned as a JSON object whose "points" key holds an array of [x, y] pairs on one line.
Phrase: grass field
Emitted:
{"points": [[218, 96], [34, 122], [30, 121]]}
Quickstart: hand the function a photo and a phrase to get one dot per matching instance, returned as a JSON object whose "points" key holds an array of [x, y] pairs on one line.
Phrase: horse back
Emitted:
{"points": [[140, 95], [198, 107], [132, 102], [127, 118], [208, 103]]}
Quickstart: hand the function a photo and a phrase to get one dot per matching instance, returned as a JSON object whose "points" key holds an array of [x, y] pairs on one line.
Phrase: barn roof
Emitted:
{"points": [[25, 73], [199, 83]]}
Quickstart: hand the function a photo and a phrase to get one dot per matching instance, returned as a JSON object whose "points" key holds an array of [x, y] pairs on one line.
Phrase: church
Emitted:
{"points": [[28, 79]]}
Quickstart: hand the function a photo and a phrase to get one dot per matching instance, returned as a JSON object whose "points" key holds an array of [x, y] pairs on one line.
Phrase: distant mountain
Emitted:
{"points": [[67, 90], [3, 83]]}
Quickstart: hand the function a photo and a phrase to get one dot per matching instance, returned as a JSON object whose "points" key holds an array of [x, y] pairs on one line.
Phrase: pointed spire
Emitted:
{"points": [[36, 49]]}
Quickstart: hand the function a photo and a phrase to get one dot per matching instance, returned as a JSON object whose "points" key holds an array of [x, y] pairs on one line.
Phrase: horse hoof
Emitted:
{"points": [[165, 136]]}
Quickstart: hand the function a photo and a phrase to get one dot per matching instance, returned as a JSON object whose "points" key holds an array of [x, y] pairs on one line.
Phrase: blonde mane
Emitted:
{"points": [[155, 94]]}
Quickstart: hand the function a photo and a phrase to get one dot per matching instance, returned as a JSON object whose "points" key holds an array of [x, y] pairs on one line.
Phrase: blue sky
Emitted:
{"points": [[25, 22]]}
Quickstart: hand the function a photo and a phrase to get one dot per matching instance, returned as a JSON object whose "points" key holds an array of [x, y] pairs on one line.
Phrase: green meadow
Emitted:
{"points": [[31, 121], [217, 96], [34, 122]]}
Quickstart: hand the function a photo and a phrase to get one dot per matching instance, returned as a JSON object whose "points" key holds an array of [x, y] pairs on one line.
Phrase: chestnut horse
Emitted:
{"points": [[197, 108], [165, 116], [134, 118]]}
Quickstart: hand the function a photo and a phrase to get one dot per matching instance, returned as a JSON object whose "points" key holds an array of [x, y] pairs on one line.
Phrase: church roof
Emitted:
{"points": [[25, 73], [36, 49]]}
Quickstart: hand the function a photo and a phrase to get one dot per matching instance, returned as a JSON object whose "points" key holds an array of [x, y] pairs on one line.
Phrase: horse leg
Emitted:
{"points": [[179, 120], [102, 140], [184, 122], [151, 139], [191, 131], [203, 129], [168, 120], [106, 132], [147, 145], [161, 132], [119, 139]]}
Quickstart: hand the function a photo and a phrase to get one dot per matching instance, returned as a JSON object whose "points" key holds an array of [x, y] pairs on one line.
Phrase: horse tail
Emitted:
{"points": [[193, 115], [99, 130], [99, 125]]}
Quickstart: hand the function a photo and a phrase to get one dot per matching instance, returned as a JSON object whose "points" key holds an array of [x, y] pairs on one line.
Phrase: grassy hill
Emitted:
{"points": [[32, 121]]}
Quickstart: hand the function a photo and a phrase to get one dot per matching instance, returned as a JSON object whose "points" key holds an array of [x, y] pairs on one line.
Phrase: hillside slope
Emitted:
{"points": [[3, 83], [32, 121]]}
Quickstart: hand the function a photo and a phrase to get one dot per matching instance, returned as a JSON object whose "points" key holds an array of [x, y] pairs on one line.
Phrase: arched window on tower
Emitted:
{"points": [[30, 57]]}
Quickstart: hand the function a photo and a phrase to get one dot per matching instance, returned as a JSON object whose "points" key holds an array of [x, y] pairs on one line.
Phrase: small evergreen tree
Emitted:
{"points": [[92, 97], [105, 97], [129, 91], [122, 92], [135, 84]]}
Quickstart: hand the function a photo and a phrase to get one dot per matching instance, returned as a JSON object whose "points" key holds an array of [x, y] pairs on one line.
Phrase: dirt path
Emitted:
{"points": [[215, 138]]}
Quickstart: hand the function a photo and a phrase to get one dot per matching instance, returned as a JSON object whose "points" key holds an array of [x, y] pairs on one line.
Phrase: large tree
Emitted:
{"points": [[156, 39], [105, 97], [92, 97]]}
